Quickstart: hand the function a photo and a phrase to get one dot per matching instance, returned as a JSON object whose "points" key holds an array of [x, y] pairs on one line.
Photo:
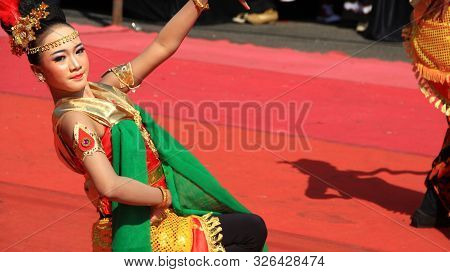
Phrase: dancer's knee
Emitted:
{"points": [[259, 228]]}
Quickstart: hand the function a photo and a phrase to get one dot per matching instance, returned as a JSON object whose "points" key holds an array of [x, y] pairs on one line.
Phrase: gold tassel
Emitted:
{"points": [[433, 74], [434, 97], [438, 103], [211, 226]]}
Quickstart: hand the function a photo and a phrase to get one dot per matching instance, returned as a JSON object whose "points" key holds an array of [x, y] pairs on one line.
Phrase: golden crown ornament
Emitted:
{"points": [[23, 32]]}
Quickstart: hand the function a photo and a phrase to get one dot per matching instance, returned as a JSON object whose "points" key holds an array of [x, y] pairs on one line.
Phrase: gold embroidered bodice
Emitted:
{"points": [[102, 109], [109, 106]]}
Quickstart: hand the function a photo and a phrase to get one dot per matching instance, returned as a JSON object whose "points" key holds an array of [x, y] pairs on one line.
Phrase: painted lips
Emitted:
{"points": [[78, 77]]}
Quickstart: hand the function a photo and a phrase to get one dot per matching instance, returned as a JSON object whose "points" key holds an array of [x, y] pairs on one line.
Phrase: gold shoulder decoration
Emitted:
{"points": [[85, 142], [124, 74]]}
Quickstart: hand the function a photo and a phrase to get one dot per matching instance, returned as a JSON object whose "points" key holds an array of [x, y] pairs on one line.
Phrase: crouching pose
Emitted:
{"points": [[150, 192]]}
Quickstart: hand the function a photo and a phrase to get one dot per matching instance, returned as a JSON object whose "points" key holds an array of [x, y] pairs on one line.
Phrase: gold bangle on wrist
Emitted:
{"points": [[165, 197], [200, 5]]}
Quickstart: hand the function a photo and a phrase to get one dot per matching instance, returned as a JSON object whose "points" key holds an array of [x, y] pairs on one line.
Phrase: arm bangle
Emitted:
{"points": [[200, 5], [164, 197]]}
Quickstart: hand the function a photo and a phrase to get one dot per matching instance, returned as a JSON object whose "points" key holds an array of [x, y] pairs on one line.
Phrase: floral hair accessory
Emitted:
{"points": [[23, 31]]}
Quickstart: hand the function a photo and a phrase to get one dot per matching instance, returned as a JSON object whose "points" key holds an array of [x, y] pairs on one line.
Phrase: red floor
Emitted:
{"points": [[372, 135]]}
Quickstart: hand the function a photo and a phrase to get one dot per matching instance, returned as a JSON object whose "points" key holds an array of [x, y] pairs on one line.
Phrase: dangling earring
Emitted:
{"points": [[41, 77]]}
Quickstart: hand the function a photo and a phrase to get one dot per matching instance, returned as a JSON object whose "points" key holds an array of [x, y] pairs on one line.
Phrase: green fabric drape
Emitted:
{"points": [[131, 224], [194, 190]]}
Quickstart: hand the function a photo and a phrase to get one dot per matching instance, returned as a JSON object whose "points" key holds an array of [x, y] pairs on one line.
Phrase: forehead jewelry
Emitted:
{"points": [[53, 44]]}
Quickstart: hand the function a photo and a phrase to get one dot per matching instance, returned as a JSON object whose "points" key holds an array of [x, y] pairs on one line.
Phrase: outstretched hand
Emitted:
{"points": [[244, 3]]}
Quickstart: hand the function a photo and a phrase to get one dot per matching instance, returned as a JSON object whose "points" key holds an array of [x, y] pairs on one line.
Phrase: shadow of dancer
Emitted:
{"points": [[357, 184]]}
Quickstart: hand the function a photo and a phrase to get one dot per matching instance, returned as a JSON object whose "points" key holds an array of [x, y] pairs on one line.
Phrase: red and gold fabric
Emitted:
{"points": [[428, 44]]}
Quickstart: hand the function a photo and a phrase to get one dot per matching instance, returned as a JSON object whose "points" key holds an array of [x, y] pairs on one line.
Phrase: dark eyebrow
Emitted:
{"points": [[59, 51], [63, 50]]}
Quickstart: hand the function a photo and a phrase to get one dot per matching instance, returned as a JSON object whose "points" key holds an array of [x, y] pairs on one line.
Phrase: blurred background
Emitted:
{"points": [[373, 19]]}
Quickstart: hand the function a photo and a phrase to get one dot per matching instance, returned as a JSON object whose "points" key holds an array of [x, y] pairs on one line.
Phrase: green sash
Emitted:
{"points": [[194, 190]]}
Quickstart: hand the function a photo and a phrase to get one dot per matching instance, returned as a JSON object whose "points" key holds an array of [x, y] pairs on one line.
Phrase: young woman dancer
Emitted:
{"points": [[150, 192]]}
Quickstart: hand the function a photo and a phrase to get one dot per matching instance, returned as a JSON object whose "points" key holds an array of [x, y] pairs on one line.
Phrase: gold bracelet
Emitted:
{"points": [[164, 197], [200, 5]]}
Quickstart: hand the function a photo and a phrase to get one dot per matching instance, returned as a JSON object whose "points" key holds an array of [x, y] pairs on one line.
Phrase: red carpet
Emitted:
{"points": [[366, 115]]}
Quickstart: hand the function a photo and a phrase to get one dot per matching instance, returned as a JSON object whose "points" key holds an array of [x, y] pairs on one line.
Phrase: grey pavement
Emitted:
{"points": [[302, 36]]}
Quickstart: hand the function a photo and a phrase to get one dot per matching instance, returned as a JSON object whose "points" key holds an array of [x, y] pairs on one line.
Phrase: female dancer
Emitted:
{"points": [[150, 192], [427, 42]]}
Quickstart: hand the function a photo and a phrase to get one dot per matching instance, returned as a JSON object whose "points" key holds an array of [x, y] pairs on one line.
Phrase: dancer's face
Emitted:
{"points": [[66, 67]]}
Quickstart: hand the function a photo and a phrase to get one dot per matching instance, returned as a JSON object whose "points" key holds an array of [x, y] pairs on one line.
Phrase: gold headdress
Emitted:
{"points": [[23, 33]]}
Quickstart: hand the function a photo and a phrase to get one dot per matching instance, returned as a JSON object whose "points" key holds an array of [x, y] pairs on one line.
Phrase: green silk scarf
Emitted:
{"points": [[194, 190]]}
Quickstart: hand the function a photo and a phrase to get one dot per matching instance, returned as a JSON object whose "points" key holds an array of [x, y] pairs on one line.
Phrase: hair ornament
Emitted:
{"points": [[23, 31]]}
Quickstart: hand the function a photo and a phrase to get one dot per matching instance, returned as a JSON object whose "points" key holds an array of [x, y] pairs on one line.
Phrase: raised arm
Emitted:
{"points": [[79, 132], [166, 43]]}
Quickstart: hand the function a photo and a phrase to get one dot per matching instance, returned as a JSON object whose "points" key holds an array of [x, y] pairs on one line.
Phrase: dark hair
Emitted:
{"points": [[56, 17]]}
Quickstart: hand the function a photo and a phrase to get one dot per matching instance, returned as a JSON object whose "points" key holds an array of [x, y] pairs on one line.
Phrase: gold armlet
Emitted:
{"points": [[85, 142], [124, 74]]}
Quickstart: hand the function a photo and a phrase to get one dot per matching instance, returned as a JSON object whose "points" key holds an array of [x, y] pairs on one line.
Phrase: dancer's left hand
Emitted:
{"points": [[157, 215]]}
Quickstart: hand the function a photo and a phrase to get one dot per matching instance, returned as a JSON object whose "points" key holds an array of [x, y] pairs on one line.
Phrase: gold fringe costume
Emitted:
{"points": [[427, 41]]}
